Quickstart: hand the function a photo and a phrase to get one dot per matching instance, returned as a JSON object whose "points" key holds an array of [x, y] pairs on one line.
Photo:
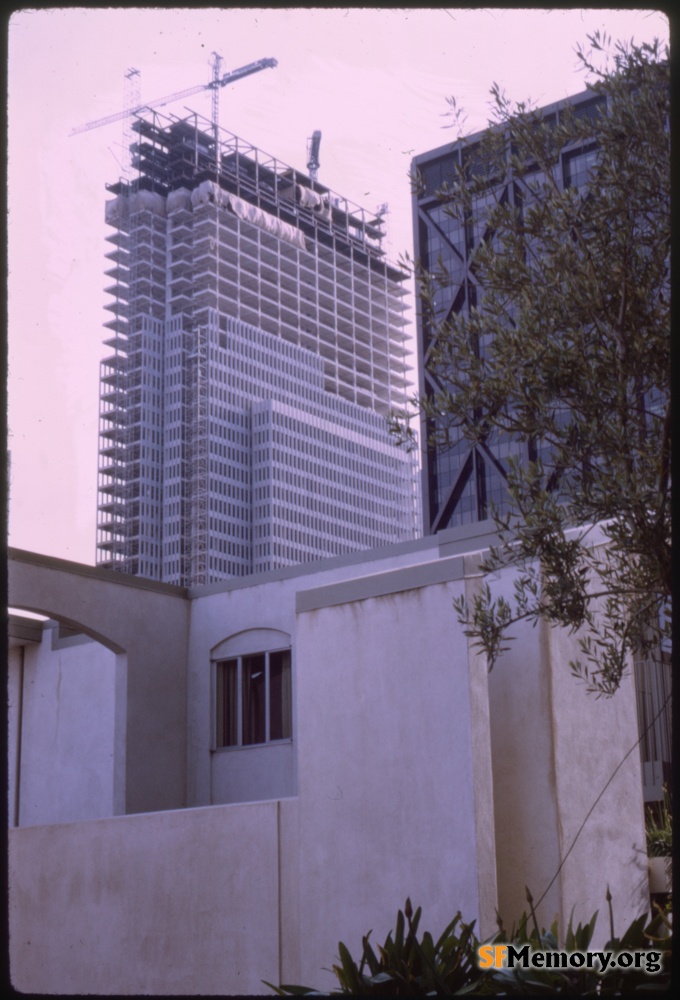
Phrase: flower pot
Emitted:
{"points": [[660, 874]]}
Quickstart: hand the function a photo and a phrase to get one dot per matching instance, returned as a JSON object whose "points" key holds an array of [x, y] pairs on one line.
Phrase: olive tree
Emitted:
{"points": [[568, 351]]}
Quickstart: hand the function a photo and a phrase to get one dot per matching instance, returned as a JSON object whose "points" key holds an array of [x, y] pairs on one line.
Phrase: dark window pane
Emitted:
{"points": [[578, 167], [227, 704], [280, 701], [254, 699]]}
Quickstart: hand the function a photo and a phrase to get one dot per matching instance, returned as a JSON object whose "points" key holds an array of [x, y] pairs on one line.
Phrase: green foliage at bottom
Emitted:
{"points": [[649, 935], [408, 966]]}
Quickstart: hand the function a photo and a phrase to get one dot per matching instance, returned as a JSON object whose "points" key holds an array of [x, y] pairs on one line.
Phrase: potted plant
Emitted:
{"points": [[659, 830]]}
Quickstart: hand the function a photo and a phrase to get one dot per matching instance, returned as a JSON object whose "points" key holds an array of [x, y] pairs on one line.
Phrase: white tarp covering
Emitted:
{"points": [[121, 206], [312, 199], [180, 198], [208, 191]]}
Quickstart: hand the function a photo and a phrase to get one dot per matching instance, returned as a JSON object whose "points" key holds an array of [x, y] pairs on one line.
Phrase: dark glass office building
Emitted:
{"points": [[461, 481]]}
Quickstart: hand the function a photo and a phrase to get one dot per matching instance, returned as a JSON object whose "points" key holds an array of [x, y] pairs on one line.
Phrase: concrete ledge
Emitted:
{"points": [[379, 584], [94, 572], [450, 541], [312, 568], [23, 630]]}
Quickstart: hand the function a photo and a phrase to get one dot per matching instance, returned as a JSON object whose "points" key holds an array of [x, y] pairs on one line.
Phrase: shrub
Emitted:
{"points": [[645, 934], [406, 966]]}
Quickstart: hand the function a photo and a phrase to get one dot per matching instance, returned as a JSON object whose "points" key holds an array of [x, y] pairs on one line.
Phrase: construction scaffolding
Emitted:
{"points": [[210, 232], [196, 525]]}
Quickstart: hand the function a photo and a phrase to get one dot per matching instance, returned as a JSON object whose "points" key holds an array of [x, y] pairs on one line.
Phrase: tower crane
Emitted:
{"points": [[215, 84], [313, 154]]}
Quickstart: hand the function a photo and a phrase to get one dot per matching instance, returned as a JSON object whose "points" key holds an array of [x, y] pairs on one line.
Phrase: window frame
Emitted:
{"points": [[219, 665]]}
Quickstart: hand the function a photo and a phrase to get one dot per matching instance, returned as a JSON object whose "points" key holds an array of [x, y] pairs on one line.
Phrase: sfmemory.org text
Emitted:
{"points": [[506, 956]]}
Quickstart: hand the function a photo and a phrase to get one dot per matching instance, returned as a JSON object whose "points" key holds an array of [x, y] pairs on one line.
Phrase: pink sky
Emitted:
{"points": [[374, 80]]}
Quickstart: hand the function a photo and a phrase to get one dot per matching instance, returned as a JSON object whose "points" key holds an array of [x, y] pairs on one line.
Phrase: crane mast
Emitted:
{"points": [[215, 85]]}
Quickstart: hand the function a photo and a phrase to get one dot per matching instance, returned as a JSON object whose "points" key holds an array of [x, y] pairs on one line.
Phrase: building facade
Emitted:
{"points": [[461, 480], [464, 481], [257, 347], [232, 778]]}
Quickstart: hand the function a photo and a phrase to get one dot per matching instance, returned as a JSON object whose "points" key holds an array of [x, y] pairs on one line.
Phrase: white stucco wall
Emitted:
{"points": [[250, 773], [554, 749], [269, 602], [526, 813], [71, 701], [147, 622], [14, 660], [183, 902], [387, 802], [414, 773], [596, 740], [383, 719]]}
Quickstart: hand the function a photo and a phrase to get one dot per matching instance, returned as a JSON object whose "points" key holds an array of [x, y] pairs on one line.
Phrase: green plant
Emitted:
{"points": [[405, 966], [566, 358], [659, 829], [652, 935]]}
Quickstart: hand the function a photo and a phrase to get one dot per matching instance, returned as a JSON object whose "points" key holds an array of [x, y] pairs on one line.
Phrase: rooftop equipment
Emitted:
{"points": [[313, 154]]}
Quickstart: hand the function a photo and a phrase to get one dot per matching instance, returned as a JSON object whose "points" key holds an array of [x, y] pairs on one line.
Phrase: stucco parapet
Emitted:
{"points": [[21, 630], [151, 816], [317, 567], [473, 564], [452, 541], [94, 572], [470, 540], [473, 538], [380, 584]]}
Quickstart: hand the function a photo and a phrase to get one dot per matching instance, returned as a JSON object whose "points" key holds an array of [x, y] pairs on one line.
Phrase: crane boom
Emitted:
{"points": [[238, 74], [231, 77], [158, 103]]}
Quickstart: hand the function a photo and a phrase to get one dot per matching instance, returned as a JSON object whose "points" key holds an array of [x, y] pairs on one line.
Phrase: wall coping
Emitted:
{"points": [[94, 572], [450, 542]]}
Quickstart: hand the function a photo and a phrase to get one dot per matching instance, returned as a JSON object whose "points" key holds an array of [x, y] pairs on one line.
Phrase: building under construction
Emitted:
{"points": [[257, 345]]}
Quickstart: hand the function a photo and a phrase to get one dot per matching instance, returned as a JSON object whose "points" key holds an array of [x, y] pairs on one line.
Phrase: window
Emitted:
{"points": [[253, 699], [579, 166]]}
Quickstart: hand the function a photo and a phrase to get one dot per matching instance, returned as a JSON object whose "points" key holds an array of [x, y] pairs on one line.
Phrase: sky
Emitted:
{"points": [[374, 81]]}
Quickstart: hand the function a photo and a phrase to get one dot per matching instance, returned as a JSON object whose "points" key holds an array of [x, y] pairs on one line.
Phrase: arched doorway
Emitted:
{"points": [[66, 721]]}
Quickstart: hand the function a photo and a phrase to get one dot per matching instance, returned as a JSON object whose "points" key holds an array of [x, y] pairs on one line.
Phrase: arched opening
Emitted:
{"points": [[67, 700], [35, 613], [252, 717]]}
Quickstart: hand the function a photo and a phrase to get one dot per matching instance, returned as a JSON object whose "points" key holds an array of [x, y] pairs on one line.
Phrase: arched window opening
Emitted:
{"points": [[253, 699], [253, 689]]}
